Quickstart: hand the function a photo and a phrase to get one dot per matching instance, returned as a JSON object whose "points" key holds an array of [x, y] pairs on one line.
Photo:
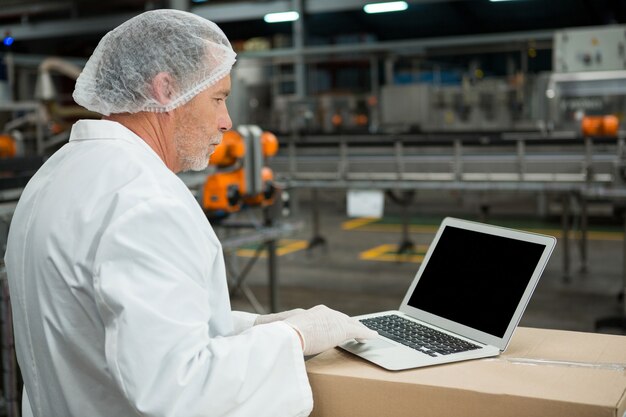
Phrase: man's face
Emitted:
{"points": [[200, 124]]}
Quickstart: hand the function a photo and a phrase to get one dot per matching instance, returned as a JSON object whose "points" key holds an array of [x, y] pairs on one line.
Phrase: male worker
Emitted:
{"points": [[117, 280]]}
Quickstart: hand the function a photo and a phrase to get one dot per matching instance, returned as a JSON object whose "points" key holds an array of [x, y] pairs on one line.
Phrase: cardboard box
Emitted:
{"points": [[542, 373]]}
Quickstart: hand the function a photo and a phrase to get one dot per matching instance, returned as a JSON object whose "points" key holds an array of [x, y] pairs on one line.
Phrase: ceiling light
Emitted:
{"points": [[498, 0], [281, 17], [393, 6]]}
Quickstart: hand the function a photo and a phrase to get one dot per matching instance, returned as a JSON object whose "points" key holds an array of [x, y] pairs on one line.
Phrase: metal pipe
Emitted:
{"points": [[624, 276], [272, 270], [521, 163], [272, 263], [565, 237], [412, 46], [399, 152], [299, 44], [458, 164], [583, 233]]}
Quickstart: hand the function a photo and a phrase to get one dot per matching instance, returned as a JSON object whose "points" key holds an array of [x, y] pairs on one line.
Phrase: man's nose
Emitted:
{"points": [[223, 122]]}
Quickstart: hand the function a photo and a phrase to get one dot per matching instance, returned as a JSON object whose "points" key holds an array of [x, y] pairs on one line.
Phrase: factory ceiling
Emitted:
{"points": [[73, 27]]}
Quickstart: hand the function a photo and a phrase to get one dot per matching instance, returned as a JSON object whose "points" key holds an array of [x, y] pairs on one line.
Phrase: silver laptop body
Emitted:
{"points": [[474, 283]]}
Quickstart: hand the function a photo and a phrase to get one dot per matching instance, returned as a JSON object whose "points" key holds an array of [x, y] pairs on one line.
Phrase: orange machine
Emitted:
{"points": [[600, 125], [241, 179], [8, 149]]}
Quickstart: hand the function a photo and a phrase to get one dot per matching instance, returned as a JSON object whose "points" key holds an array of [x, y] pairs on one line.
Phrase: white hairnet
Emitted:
{"points": [[117, 78]]}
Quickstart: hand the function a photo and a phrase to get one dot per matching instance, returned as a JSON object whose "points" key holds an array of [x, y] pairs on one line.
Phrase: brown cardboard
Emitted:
{"points": [[542, 373]]}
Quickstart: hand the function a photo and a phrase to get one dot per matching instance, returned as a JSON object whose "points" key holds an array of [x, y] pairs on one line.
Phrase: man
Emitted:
{"points": [[117, 280]]}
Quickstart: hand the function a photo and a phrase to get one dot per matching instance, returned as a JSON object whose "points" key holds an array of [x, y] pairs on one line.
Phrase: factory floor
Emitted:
{"points": [[355, 273]]}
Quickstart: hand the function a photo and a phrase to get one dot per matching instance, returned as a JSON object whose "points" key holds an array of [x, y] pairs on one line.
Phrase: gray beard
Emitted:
{"points": [[197, 162], [194, 164]]}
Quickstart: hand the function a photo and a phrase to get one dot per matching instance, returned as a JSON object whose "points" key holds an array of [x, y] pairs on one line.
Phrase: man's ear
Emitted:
{"points": [[163, 87]]}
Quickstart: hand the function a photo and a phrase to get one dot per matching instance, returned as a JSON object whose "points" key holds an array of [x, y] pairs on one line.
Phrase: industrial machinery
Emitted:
{"points": [[59, 116], [240, 178], [40, 120], [600, 125], [601, 48], [8, 146], [572, 96]]}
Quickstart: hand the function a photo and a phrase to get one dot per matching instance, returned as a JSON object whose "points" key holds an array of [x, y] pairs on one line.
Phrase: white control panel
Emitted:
{"points": [[598, 48]]}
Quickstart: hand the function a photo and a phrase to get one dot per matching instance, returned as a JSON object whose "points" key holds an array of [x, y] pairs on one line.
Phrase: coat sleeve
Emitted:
{"points": [[152, 290], [243, 320]]}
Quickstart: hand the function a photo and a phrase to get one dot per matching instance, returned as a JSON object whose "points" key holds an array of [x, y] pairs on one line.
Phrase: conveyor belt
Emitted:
{"points": [[475, 163]]}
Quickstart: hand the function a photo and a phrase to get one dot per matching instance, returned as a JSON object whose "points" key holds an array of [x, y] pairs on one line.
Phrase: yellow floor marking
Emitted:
{"points": [[369, 225], [285, 246], [387, 253], [357, 223], [395, 228]]}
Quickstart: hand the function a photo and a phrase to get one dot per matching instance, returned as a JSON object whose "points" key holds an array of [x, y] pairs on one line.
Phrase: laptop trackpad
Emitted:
{"points": [[368, 346]]}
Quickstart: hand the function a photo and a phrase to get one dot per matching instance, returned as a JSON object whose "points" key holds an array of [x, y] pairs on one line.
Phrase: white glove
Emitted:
{"points": [[322, 328], [270, 318]]}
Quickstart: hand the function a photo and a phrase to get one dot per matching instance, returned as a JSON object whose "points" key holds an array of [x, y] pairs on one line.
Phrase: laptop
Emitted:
{"points": [[465, 301]]}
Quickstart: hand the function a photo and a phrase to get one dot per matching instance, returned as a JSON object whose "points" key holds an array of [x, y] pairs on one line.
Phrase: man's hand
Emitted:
{"points": [[321, 328]]}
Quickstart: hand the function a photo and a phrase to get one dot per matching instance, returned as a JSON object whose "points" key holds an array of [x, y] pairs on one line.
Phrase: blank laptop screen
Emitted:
{"points": [[476, 279]]}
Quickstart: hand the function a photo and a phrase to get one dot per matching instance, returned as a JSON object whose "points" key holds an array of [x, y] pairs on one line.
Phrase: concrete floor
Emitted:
{"points": [[334, 275]]}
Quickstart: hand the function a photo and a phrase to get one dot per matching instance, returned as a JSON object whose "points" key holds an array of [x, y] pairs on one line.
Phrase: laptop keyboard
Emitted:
{"points": [[417, 336]]}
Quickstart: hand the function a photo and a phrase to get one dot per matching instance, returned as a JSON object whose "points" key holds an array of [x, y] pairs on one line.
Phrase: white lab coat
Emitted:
{"points": [[120, 298]]}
